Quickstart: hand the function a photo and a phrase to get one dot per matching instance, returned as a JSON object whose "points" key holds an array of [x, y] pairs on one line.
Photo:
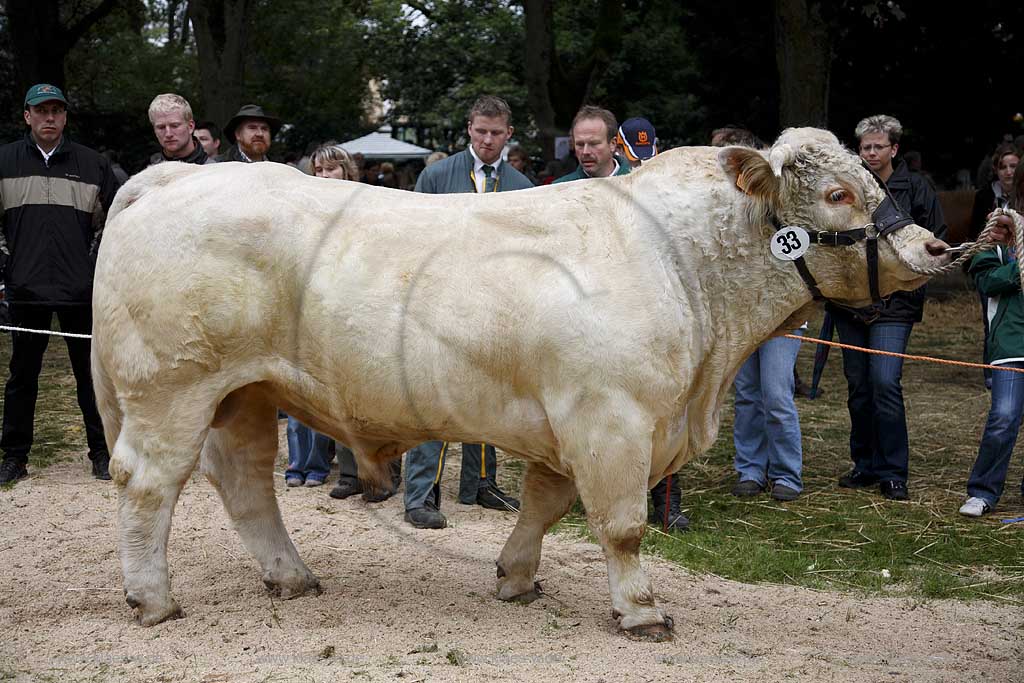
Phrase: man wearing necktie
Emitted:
{"points": [[478, 168]]}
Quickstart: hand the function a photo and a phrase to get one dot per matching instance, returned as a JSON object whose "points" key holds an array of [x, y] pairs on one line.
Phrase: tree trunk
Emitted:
{"points": [[554, 95], [40, 41], [540, 38], [803, 54], [221, 28]]}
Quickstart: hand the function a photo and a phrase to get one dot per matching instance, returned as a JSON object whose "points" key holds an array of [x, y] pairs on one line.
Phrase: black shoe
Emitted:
{"points": [[11, 471], [676, 521], [784, 493], [747, 488], [378, 495], [426, 517], [494, 498], [346, 486], [857, 480], [101, 466], [894, 490]]}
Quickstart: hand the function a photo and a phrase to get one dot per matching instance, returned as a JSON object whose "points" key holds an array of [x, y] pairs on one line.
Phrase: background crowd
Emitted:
{"points": [[55, 194]]}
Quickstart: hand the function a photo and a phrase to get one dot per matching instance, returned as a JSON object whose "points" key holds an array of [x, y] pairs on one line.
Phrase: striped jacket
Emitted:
{"points": [[53, 215]]}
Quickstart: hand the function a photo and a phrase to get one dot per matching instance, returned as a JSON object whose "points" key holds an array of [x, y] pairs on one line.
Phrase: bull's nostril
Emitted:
{"points": [[936, 247]]}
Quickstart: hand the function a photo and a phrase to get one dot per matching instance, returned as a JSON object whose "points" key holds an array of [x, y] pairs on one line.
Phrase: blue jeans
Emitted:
{"points": [[424, 466], [878, 419], [307, 453], [989, 472], [766, 431]]}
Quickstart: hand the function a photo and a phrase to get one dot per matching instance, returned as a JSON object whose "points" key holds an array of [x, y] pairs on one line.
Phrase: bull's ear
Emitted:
{"points": [[750, 172]]}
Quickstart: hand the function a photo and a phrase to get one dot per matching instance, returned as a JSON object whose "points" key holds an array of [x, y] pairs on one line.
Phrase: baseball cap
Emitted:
{"points": [[44, 92], [637, 139]]}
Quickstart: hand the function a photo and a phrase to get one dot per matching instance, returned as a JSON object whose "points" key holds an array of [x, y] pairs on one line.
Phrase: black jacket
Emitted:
{"points": [[198, 156], [52, 216], [916, 197]]}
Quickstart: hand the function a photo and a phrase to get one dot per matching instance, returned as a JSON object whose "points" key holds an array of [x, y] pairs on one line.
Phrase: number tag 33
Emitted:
{"points": [[790, 243]]}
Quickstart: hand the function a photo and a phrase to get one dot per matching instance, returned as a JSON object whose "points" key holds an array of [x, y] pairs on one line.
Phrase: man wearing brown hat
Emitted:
{"points": [[54, 195], [250, 132]]}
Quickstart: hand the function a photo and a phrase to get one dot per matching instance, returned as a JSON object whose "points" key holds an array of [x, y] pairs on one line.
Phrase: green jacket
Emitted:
{"points": [[998, 278], [454, 174], [580, 174]]}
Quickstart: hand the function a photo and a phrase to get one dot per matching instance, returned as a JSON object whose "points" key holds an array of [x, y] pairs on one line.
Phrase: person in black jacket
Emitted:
{"points": [[54, 195], [879, 445], [174, 127]]}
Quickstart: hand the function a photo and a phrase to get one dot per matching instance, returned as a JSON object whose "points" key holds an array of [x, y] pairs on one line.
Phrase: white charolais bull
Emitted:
{"points": [[592, 329]]}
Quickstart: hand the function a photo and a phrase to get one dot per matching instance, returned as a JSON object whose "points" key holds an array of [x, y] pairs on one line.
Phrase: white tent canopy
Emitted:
{"points": [[380, 145]]}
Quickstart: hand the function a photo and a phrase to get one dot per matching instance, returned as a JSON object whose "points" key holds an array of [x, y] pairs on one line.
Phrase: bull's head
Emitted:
{"points": [[809, 179]]}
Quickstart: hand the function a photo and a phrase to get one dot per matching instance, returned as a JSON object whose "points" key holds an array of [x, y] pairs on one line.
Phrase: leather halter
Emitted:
{"points": [[885, 219]]}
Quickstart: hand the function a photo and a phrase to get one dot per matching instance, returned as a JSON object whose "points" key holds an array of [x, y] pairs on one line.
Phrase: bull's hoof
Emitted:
{"points": [[147, 615], [508, 593], [652, 633], [292, 586]]}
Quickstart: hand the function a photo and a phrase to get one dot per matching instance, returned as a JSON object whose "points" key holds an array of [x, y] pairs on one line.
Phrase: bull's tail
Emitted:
{"points": [[152, 178], [106, 401]]}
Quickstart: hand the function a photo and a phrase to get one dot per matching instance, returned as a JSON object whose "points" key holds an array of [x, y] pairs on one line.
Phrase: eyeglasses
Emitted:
{"points": [[873, 148]]}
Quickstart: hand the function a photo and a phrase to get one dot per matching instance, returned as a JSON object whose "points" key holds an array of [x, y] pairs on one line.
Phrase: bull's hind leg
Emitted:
{"points": [[238, 459], [547, 496], [151, 460], [611, 468]]}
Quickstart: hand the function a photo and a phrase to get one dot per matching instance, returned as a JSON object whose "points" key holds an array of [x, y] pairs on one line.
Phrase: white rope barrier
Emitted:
{"points": [[51, 332]]}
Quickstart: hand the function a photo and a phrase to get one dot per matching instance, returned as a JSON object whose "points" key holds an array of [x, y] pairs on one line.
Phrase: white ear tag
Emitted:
{"points": [[790, 243]]}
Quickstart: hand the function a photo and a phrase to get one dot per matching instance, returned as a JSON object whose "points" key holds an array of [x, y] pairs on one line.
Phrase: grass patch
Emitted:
{"points": [[838, 539]]}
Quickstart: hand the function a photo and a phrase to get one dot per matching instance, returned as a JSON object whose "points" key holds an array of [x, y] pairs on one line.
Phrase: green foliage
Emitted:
{"points": [[437, 60], [310, 65]]}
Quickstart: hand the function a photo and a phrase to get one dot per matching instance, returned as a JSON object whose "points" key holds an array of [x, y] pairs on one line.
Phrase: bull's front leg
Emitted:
{"points": [[546, 497], [149, 481], [611, 474]]}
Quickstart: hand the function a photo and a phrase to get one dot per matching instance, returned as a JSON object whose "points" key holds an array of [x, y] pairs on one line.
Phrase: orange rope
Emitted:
{"points": [[943, 361]]}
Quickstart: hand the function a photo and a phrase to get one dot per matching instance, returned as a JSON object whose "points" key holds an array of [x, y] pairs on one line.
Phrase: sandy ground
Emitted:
{"points": [[409, 605]]}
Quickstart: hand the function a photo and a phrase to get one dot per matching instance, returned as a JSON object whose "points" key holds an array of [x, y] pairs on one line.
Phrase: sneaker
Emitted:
{"points": [[314, 482], [346, 487], [745, 488], [101, 466], [894, 490], [292, 482], [493, 498], [426, 517], [784, 493], [975, 507], [857, 480], [11, 471]]}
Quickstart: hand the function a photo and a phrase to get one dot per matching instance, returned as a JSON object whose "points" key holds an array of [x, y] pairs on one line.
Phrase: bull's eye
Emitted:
{"points": [[839, 197]]}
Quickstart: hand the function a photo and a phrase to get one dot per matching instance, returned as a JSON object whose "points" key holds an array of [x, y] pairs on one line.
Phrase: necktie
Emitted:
{"points": [[489, 180]]}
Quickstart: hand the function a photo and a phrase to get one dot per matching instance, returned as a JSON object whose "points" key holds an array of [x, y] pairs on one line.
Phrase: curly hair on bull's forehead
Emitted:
{"points": [[811, 160]]}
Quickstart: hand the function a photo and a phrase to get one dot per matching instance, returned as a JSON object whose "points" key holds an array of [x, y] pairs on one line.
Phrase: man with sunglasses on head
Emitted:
{"points": [[879, 445], [54, 196]]}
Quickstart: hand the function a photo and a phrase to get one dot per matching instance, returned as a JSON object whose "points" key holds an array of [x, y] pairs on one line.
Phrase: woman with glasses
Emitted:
{"points": [[879, 445]]}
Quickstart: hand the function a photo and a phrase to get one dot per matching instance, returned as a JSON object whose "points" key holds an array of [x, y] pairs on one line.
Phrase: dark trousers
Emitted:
{"points": [[27, 351], [424, 466], [878, 420]]}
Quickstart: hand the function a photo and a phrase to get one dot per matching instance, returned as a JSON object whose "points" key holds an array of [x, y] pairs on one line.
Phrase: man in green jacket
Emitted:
{"points": [[478, 168], [593, 139]]}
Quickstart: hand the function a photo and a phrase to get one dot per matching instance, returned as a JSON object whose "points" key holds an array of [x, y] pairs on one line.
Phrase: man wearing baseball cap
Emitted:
{"points": [[54, 195], [637, 140], [251, 131]]}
